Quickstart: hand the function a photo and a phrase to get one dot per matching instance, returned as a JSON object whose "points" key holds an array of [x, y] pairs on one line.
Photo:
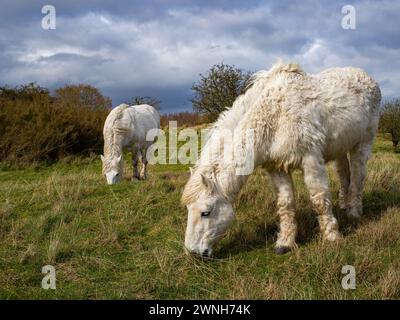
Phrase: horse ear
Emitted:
{"points": [[102, 158], [191, 171], [207, 182], [119, 158]]}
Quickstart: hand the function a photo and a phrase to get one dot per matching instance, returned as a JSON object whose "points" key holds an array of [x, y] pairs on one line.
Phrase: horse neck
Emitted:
{"points": [[230, 183], [231, 173], [113, 145]]}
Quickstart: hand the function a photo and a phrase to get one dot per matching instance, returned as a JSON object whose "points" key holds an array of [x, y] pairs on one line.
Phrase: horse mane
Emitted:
{"points": [[228, 120], [112, 130], [264, 76]]}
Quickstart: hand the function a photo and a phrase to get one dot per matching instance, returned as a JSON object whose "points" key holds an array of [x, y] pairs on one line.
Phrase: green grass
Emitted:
{"points": [[125, 241]]}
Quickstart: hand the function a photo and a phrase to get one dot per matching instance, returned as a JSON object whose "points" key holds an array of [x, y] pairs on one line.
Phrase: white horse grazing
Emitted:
{"points": [[298, 121], [126, 128]]}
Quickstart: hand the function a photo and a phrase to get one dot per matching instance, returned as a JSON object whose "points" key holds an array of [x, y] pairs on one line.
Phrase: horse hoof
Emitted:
{"points": [[354, 214], [333, 236], [282, 250]]}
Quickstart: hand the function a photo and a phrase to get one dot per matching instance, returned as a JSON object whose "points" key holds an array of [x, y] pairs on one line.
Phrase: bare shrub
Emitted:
{"points": [[38, 127], [218, 89], [390, 120]]}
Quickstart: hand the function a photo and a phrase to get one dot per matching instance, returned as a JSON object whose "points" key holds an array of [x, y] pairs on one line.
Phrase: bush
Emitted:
{"points": [[38, 127], [146, 100], [183, 119], [390, 120], [217, 90], [82, 95]]}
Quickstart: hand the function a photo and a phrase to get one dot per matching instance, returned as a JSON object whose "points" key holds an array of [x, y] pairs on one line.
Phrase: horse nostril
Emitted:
{"points": [[205, 253]]}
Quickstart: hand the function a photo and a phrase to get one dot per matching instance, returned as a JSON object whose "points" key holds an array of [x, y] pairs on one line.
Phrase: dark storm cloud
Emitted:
{"points": [[158, 48]]}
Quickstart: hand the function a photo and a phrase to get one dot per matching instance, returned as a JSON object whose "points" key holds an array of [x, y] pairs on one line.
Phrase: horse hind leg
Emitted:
{"points": [[343, 170], [316, 180], [143, 172], [358, 167], [285, 203], [395, 143]]}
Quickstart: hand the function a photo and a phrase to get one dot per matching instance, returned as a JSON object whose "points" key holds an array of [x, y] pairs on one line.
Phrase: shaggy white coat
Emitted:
{"points": [[299, 121]]}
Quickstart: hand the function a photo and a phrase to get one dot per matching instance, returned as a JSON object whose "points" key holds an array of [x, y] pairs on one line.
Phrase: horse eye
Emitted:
{"points": [[205, 213], [117, 175]]}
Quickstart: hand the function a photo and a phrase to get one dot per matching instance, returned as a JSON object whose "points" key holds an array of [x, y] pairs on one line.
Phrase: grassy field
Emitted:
{"points": [[125, 241]]}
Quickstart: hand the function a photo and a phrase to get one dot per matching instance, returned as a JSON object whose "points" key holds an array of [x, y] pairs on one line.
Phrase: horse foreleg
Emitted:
{"points": [[316, 180], [135, 162], [285, 203]]}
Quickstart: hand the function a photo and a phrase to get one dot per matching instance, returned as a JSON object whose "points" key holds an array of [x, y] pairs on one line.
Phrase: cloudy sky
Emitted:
{"points": [[158, 48]]}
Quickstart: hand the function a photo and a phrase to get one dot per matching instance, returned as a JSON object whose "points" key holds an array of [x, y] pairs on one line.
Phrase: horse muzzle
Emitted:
{"points": [[205, 253]]}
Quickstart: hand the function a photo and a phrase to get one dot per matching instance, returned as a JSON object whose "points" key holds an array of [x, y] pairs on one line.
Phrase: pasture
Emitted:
{"points": [[126, 241]]}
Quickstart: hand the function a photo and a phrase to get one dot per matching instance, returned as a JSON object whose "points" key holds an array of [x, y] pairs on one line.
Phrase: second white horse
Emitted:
{"points": [[126, 128]]}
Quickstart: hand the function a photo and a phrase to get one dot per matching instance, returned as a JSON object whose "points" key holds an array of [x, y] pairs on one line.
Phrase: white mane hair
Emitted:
{"points": [[229, 118], [113, 132]]}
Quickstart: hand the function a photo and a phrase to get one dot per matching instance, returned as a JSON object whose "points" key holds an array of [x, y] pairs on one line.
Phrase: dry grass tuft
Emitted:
{"points": [[389, 284]]}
